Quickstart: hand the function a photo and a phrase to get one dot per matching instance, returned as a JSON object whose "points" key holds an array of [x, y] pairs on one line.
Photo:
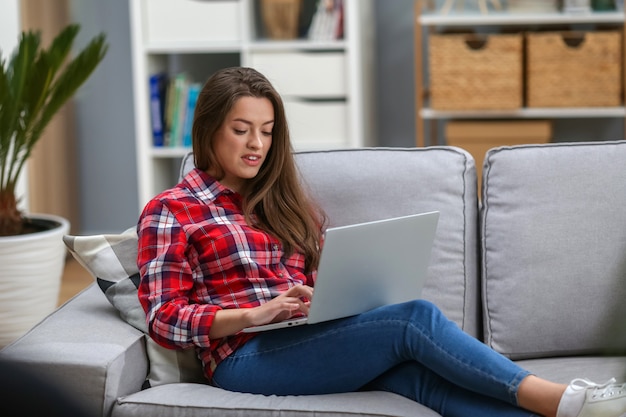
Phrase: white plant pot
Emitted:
{"points": [[31, 267]]}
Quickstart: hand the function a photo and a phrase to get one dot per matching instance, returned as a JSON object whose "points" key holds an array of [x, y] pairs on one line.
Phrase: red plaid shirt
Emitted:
{"points": [[196, 256]]}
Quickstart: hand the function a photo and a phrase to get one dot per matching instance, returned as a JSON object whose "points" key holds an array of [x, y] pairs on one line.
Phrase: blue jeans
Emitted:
{"points": [[410, 349]]}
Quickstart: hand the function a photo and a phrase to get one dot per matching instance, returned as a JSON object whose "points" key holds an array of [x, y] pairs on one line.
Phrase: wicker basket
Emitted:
{"points": [[475, 72], [281, 18], [562, 75]]}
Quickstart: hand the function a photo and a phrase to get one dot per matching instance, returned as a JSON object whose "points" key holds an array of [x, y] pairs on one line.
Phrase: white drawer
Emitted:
{"points": [[192, 20], [304, 74], [317, 125]]}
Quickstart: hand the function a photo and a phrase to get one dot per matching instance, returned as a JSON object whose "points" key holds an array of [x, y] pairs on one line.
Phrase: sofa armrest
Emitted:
{"points": [[85, 348]]}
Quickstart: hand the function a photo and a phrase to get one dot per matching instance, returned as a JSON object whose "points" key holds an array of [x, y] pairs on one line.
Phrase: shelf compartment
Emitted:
{"points": [[317, 124], [192, 21], [198, 66], [306, 74]]}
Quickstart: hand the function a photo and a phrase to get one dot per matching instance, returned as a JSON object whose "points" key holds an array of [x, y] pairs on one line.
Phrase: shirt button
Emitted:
{"points": [[280, 275], [275, 246]]}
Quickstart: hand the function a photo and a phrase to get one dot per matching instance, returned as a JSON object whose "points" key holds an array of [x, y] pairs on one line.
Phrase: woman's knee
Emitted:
{"points": [[413, 310], [424, 308], [426, 313]]}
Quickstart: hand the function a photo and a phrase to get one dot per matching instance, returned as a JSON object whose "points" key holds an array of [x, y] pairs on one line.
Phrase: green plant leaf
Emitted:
{"points": [[73, 76], [34, 84]]}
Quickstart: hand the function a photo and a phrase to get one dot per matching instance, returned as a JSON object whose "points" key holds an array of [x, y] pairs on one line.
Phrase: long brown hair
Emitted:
{"points": [[274, 200]]}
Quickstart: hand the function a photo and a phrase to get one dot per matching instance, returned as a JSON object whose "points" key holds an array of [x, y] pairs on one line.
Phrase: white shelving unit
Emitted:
{"points": [[433, 21], [325, 84]]}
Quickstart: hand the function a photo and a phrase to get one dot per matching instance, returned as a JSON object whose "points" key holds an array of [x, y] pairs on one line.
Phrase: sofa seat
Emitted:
{"points": [[187, 400], [564, 369]]}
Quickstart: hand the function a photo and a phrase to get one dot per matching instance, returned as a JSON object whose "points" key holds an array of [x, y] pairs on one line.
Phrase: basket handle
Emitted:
{"points": [[574, 39], [476, 42]]}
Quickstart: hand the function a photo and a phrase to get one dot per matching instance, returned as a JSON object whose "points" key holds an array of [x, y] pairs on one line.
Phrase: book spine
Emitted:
{"points": [[192, 99], [157, 97], [339, 29], [169, 109], [180, 94]]}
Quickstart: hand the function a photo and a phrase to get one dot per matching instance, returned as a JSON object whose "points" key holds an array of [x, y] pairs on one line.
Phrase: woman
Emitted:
{"points": [[237, 244]]}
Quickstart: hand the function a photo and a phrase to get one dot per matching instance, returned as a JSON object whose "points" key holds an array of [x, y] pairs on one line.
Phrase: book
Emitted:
{"points": [[316, 23], [179, 104], [192, 98], [327, 22], [169, 109], [158, 86], [339, 21]]}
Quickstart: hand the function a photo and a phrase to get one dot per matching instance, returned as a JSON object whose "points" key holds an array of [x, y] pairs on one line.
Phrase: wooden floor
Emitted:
{"points": [[75, 279]]}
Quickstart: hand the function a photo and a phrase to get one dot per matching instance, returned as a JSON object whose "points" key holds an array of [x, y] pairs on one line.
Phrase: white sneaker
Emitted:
{"points": [[584, 398]]}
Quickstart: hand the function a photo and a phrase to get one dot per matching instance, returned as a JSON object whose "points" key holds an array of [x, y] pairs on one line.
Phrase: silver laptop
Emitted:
{"points": [[369, 265]]}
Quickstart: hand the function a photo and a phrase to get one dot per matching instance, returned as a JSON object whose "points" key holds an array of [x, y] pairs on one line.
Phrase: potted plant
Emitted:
{"points": [[34, 84]]}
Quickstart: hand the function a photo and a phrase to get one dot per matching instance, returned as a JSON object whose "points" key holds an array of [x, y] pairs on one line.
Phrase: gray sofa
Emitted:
{"points": [[534, 267]]}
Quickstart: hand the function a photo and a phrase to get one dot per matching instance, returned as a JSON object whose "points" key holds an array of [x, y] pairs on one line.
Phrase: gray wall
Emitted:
{"points": [[105, 131], [108, 186], [395, 80]]}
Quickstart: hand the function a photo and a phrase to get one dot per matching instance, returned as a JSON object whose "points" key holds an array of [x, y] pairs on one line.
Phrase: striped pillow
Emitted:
{"points": [[112, 260]]}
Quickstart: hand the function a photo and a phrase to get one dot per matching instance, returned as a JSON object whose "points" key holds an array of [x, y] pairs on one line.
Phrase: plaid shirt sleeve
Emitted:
{"points": [[167, 282]]}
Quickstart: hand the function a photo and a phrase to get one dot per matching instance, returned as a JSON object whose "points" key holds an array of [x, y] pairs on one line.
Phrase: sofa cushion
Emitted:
{"points": [[369, 184], [553, 223], [112, 260], [358, 185], [564, 369], [176, 400]]}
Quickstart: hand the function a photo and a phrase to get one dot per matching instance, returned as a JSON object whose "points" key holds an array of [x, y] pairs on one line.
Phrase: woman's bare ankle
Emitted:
{"points": [[540, 396]]}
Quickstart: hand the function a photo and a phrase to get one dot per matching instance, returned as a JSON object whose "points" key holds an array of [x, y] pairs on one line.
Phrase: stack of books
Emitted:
{"points": [[172, 105], [327, 22]]}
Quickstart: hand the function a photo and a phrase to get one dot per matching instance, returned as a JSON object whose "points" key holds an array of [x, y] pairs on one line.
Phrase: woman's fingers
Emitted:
{"points": [[294, 304], [300, 291], [293, 301]]}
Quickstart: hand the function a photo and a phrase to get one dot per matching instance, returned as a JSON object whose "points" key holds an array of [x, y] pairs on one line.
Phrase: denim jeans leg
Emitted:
{"points": [[416, 382], [344, 355]]}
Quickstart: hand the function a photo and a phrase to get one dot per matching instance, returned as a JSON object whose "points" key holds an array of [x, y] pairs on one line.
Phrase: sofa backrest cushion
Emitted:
{"points": [[553, 223], [358, 185]]}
